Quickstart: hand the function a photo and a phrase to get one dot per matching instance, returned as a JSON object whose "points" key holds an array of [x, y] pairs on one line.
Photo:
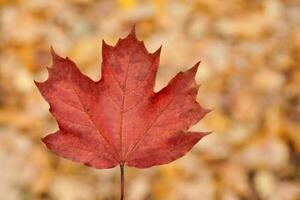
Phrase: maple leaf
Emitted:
{"points": [[120, 120]]}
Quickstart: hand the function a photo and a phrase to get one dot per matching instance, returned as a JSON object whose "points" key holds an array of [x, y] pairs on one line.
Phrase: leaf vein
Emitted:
{"points": [[148, 129]]}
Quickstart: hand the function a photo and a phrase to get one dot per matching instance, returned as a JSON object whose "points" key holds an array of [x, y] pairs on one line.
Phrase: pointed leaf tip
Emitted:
{"points": [[132, 33], [105, 49], [207, 111], [52, 51], [158, 51], [36, 83], [104, 44], [194, 69], [207, 133], [43, 139], [132, 29], [54, 54]]}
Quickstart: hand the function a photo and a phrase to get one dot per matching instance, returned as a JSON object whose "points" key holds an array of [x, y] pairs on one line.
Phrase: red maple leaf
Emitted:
{"points": [[120, 120]]}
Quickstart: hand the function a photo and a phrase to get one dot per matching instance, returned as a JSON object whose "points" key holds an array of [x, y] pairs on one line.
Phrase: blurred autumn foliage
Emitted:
{"points": [[250, 76]]}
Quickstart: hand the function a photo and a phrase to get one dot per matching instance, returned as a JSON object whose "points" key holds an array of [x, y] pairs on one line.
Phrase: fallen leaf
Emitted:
{"points": [[120, 120]]}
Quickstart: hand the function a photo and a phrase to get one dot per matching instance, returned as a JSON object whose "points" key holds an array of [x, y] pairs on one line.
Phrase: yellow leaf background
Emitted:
{"points": [[250, 76]]}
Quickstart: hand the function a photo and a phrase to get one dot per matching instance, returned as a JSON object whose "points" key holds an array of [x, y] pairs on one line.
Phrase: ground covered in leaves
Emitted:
{"points": [[250, 75]]}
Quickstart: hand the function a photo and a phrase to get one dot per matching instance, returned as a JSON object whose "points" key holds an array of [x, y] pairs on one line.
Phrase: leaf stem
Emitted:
{"points": [[122, 181]]}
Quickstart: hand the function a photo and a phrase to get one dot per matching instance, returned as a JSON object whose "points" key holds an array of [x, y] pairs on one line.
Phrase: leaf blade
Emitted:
{"points": [[120, 119]]}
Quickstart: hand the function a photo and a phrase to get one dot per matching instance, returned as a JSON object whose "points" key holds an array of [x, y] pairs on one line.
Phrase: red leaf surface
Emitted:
{"points": [[120, 120]]}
